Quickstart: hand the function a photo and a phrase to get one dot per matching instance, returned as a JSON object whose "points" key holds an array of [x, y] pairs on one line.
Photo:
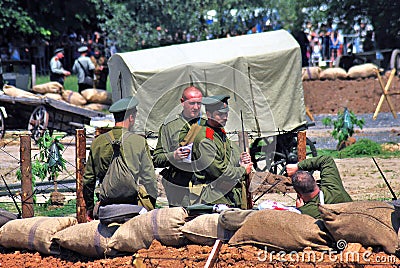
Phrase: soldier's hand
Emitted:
{"points": [[181, 153], [299, 202], [245, 158], [248, 167], [291, 169]]}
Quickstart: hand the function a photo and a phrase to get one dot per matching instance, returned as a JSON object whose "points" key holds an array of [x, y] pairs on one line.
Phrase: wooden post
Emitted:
{"points": [[385, 95], [80, 141], [26, 172], [212, 258], [301, 145]]}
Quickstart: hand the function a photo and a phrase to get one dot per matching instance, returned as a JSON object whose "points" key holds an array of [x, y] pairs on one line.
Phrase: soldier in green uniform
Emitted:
{"points": [[220, 168], [170, 155], [330, 191], [134, 150]]}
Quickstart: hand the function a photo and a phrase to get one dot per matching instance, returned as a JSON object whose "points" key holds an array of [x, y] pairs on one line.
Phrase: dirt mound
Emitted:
{"points": [[360, 96]]}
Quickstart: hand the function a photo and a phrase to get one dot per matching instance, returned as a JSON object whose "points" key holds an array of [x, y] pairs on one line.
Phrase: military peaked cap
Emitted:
{"points": [[82, 49], [123, 105], [217, 103], [58, 50]]}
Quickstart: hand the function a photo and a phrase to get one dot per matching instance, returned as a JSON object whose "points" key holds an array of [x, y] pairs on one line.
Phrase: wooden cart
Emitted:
{"points": [[39, 114]]}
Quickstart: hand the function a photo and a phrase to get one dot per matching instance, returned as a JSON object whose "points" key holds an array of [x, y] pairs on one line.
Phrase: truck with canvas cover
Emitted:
{"points": [[260, 72]]}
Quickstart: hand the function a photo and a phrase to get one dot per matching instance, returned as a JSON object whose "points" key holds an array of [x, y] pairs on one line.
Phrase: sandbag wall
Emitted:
{"points": [[356, 72], [93, 99], [370, 223]]}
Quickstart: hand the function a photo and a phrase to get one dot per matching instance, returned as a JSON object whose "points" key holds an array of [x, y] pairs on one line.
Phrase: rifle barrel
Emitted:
{"points": [[384, 178]]}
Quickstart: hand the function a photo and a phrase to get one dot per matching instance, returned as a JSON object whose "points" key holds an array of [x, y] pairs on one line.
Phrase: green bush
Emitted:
{"points": [[363, 147]]}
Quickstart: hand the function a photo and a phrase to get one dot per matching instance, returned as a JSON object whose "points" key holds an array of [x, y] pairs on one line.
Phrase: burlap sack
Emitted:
{"points": [[34, 233], [97, 106], [205, 229], [16, 92], [370, 223], [73, 97], [6, 216], [161, 224], [310, 73], [88, 239], [333, 74], [54, 96], [282, 230], [362, 71], [97, 95], [233, 219], [50, 87]]}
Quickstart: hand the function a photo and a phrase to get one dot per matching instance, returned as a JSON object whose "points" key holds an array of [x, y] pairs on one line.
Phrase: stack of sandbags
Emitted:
{"points": [[88, 239], [18, 93], [97, 99], [6, 216], [362, 71], [34, 233], [282, 230], [50, 87], [333, 74], [370, 223], [163, 224], [73, 97], [310, 73]]}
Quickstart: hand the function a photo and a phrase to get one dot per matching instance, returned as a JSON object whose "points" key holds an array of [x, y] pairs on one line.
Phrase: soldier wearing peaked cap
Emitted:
{"points": [[84, 68], [57, 72], [220, 168], [134, 150]]}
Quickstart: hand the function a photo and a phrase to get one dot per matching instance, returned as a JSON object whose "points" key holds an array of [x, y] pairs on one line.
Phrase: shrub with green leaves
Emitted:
{"points": [[363, 147], [343, 126]]}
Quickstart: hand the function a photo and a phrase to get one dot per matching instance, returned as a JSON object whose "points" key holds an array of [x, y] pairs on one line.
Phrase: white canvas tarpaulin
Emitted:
{"points": [[261, 73]]}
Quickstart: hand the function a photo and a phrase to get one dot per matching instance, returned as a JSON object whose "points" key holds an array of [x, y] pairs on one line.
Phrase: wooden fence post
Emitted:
{"points": [[80, 141], [26, 172], [301, 145]]}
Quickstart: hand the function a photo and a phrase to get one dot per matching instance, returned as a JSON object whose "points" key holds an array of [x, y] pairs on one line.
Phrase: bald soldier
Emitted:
{"points": [[220, 168], [330, 191], [170, 155], [135, 152]]}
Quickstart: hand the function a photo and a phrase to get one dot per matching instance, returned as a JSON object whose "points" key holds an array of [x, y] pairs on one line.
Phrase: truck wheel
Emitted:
{"points": [[395, 60]]}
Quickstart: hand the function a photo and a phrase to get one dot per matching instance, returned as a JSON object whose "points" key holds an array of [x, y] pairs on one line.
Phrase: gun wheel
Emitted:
{"points": [[38, 122]]}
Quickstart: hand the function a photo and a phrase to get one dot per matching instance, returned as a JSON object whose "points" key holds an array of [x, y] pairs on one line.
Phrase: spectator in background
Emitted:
{"points": [[57, 72], [334, 45], [83, 66], [100, 70]]}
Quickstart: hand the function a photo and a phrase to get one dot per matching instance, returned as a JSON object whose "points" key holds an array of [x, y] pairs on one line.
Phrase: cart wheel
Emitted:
{"points": [[38, 122], [2, 125]]}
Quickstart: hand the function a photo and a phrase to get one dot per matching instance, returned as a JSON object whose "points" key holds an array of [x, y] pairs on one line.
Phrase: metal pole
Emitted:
{"points": [[301, 145], [80, 170], [26, 172]]}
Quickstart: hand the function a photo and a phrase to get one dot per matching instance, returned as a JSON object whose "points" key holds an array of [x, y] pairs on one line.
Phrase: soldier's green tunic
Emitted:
{"points": [[331, 184], [216, 160], [177, 173], [134, 150]]}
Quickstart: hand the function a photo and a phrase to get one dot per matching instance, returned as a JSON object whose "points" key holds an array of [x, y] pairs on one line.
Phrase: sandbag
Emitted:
{"points": [[161, 224], [310, 73], [97, 95], [34, 233], [282, 230], [88, 239], [333, 74], [6, 216], [50, 87], [73, 97], [205, 229], [97, 107], [370, 223], [16, 92], [54, 96], [233, 219], [362, 71]]}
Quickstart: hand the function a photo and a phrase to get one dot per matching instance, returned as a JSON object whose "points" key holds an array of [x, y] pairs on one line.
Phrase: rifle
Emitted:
{"points": [[249, 198], [384, 178], [12, 197]]}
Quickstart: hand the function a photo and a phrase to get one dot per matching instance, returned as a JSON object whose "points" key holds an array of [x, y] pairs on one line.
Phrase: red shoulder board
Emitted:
{"points": [[210, 133], [223, 131]]}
